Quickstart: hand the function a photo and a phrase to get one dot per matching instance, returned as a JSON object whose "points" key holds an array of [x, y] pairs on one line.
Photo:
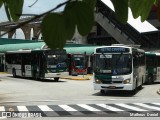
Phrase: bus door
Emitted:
{"points": [[41, 64], [38, 65], [35, 65], [23, 65], [2, 63], [158, 67], [70, 62], [18, 66], [26, 65]]}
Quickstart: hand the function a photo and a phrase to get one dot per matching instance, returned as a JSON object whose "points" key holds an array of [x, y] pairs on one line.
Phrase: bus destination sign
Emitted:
{"points": [[112, 50]]}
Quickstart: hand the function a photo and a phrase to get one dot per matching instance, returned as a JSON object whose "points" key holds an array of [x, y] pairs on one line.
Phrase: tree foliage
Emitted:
{"points": [[76, 14], [13, 8], [59, 27]]}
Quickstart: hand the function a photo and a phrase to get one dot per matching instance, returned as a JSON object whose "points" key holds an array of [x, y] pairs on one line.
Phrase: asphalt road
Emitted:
{"points": [[72, 94]]}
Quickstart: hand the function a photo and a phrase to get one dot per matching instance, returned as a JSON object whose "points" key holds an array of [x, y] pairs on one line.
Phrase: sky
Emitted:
{"points": [[38, 8]]}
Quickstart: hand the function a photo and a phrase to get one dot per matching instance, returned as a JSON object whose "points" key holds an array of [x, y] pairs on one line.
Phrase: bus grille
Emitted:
{"points": [[111, 82]]}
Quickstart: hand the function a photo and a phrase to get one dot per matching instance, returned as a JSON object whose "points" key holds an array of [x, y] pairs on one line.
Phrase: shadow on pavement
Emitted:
{"points": [[118, 93], [39, 80]]}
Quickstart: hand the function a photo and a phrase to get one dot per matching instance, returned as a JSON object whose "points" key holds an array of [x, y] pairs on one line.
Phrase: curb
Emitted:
{"points": [[158, 91]]}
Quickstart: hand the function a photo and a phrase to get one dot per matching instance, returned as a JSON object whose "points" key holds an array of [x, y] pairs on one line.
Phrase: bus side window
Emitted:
{"points": [[27, 59], [34, 59], [135, 60], [158, 61], [7, 59], [138, 59], [10, 58], [94, 62]]}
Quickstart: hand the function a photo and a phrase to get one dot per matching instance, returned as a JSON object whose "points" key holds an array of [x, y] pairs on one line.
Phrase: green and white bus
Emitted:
{"points": [[38, 64], [118, 68], [2, 62], [152, 66]]}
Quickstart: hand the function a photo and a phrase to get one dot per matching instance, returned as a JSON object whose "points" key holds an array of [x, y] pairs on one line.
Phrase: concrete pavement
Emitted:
{"points": [[80, 77], [158, 91]]}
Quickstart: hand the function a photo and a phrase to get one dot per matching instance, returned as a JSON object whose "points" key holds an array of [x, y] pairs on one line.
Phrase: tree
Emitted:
{"points": [[59, 27]]}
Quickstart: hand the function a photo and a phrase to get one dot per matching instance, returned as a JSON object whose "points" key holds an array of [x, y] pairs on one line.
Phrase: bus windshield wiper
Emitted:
{"points": [[117, 61], [103, 54]]}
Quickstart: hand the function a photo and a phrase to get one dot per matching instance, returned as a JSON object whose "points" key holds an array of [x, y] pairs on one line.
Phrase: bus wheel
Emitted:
{"points": [[35, 75], [140, 87], [14, 73], [56, 79], [150, 79], [135, 89]]}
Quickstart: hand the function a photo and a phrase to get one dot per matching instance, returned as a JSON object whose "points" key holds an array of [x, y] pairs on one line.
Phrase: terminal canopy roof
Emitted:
{"points": [[18, 44], [4, 41], [88, 50]]}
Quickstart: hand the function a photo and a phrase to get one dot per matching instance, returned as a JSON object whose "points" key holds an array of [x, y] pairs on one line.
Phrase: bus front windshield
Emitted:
{"points": [[57, 61], [79, 62], [113, 64]]}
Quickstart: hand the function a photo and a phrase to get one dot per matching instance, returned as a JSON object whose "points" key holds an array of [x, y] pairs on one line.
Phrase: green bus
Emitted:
{"points": [[152, 66], [2, 62], [7, 44], [38, 64]]}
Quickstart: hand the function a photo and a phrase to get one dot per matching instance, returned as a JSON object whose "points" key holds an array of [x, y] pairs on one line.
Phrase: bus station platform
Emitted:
{"points": [[78, 77]]}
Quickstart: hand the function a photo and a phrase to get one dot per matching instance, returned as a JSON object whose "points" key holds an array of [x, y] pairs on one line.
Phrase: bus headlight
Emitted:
{"points": [[127, 81], [98, 81]]}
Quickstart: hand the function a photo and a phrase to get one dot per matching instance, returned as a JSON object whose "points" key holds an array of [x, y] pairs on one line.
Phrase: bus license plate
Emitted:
{"points": [[112, 87]]}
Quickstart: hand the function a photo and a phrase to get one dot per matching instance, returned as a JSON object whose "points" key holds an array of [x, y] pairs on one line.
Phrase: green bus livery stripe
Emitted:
{"points": [[104, 77]]}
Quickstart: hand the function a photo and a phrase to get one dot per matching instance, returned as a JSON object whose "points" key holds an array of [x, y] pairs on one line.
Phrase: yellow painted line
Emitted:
{"points": [[75, 78], [89, 74], [80, 79], [3, 72]]}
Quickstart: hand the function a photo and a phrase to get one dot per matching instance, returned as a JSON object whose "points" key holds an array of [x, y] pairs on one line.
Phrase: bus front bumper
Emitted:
{"points": [[113, 87], [53, 75]]}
